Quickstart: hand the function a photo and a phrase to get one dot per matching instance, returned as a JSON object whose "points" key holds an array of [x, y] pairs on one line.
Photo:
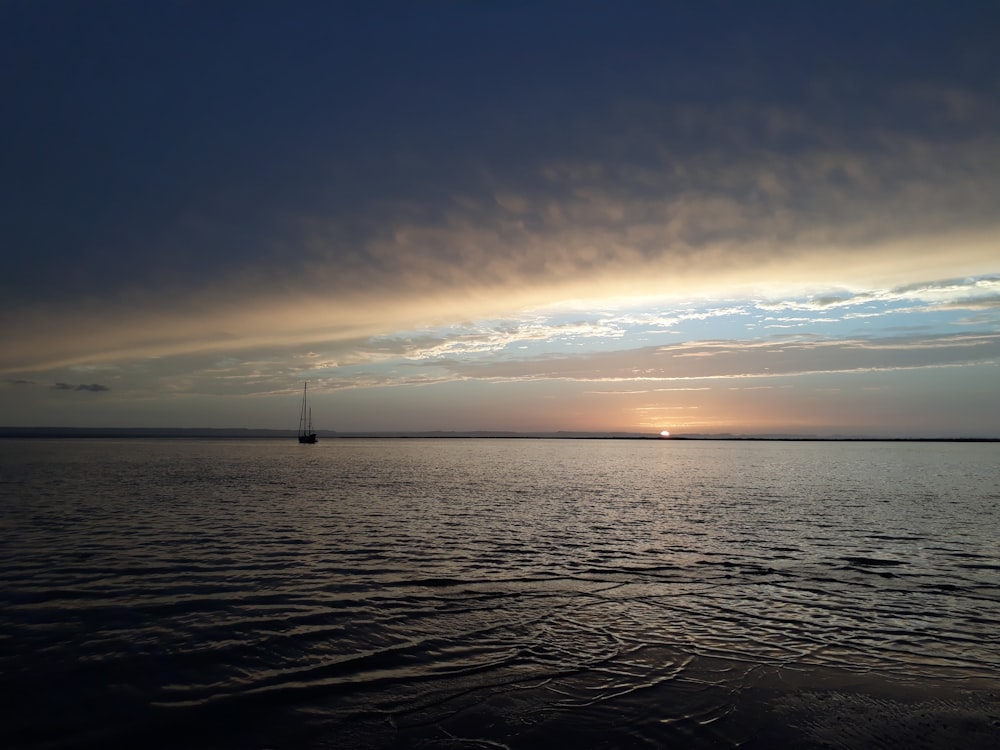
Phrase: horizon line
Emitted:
{"points": [[15, 432]]}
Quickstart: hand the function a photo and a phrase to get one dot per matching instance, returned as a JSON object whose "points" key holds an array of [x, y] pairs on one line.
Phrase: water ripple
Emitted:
{"points": [[491, 593]]}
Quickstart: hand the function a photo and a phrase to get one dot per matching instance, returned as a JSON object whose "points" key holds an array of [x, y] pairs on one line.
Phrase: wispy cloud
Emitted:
{"points": [[741, 359]]}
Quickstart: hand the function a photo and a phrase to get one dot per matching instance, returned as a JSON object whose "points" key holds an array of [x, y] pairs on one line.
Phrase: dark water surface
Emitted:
{"points": [[499, 593]]}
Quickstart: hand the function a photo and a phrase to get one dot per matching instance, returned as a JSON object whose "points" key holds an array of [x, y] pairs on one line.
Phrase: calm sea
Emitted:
{"points": [[499, 594]]}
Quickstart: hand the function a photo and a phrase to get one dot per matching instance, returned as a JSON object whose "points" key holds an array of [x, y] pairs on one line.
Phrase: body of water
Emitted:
{"points": [[499, 594]]}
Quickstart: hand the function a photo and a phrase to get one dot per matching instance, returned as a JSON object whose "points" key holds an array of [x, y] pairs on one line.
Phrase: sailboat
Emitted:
{"points": [[306, 434]]}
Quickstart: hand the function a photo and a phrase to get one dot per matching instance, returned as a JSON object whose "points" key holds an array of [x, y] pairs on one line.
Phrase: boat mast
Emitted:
{"points": [[302, 414], [306, 434]]}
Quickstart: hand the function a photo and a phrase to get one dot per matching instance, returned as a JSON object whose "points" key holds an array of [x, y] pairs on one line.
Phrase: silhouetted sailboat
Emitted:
{"points": [[306, 434]]}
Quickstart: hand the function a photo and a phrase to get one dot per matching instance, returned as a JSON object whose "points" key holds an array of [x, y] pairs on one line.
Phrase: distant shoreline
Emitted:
{"points": [[263, 434]]}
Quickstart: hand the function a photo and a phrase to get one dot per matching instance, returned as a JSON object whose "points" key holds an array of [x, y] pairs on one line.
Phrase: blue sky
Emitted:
{"points": [[722, 217]]}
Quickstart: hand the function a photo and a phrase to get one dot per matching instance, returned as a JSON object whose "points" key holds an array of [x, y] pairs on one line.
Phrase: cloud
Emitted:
{"points": [[785, 357], [973, 303], [968, 293], [93, 387], [646, 195], [482, 338]]}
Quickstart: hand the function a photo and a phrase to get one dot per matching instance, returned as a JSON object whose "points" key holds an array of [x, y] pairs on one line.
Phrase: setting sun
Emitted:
{"points": [[665, 433]]}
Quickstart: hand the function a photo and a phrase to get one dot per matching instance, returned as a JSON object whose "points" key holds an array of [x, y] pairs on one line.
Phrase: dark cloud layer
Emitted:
{"points": [[172, 145]]}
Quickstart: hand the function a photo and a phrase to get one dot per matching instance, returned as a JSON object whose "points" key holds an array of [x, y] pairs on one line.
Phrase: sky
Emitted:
{"points": [[712, 217]]}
